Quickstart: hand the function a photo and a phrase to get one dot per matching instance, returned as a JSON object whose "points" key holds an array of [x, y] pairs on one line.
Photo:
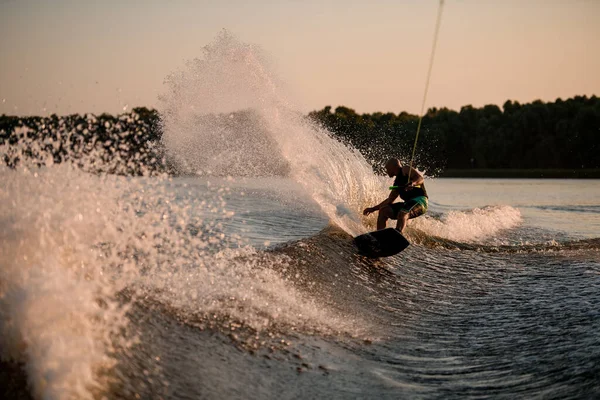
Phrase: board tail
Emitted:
{"points": [[382, 243]]}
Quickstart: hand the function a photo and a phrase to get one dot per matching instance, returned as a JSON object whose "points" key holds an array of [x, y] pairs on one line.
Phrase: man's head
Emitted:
{"points": [[393, 167]]}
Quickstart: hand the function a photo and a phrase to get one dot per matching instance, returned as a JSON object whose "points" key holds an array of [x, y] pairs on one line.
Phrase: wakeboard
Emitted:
{"points": [[382, 243]]}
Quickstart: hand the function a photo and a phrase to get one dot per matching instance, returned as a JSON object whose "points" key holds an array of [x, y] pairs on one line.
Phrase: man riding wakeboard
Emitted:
{"points": [[411, 191]]}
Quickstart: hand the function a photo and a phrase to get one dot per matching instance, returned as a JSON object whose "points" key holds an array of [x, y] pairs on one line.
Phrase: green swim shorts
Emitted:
{"points": [[414, 207]]}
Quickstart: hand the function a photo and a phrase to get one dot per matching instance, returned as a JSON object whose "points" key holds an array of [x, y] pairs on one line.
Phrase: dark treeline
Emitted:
{"points": [[559, 135], [563, 134], [126, 144]]}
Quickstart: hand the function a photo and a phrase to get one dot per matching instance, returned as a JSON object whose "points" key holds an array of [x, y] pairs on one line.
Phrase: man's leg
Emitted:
{"points": [[385, 213], [402, 221], [411, 210]]}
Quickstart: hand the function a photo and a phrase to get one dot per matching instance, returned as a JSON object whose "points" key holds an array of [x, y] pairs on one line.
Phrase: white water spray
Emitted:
{"points": [[271, 137]]}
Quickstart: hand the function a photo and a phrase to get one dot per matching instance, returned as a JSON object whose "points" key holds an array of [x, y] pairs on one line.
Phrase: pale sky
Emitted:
{"points": [[61, 56]]}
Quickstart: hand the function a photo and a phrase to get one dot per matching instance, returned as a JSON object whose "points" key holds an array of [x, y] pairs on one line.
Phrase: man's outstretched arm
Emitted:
{"points": [[393, 196]]}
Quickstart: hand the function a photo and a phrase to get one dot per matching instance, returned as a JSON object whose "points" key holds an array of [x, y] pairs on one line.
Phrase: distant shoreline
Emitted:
{"points": [[590, 173]]}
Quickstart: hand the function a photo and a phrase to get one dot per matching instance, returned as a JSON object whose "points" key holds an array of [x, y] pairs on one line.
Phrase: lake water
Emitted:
{"points": [[247, 287]]}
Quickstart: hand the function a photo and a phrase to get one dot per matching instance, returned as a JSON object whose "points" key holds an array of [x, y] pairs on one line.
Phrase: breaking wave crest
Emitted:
{"points": [[470, 226]]}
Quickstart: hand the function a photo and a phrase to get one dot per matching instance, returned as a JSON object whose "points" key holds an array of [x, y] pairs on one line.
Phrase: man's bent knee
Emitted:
{"points": [[386, 212], [403, 216]]}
